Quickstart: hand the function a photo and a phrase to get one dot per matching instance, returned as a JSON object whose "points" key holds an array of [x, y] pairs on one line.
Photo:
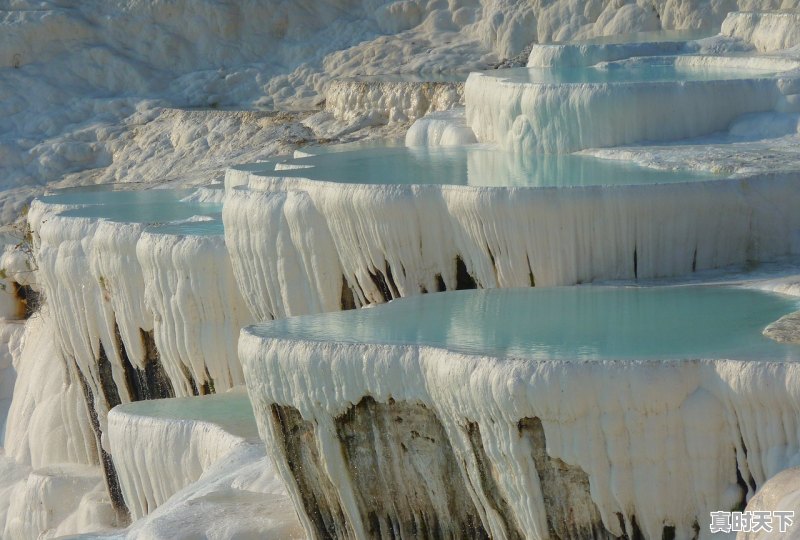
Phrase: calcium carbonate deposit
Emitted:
{"points": [[357, 269]]}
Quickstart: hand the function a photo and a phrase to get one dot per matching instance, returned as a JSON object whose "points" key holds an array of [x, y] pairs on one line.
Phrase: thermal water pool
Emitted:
{"points": [[146, 206], [576, 323], [231, 411], [599, 393], [199, 227], [664, 70], [472, 165], [657, 98]]}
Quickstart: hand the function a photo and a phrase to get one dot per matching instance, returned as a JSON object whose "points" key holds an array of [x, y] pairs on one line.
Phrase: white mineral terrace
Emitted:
{"points": [[535, 110], [141, 311], [190, 361], [610, 48], [204, 449], [191, 435], [470, 402], [301, 246]]}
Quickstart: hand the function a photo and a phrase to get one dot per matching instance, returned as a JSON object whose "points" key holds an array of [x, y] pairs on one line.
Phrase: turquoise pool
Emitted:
{"points": [[475, 165], [661, 70], [131, 206], [566, 323]]}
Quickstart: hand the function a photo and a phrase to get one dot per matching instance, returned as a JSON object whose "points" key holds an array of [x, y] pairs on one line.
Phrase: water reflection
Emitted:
{"points": [[476, 165], [572, 323], [664, 70], [131, 206]]}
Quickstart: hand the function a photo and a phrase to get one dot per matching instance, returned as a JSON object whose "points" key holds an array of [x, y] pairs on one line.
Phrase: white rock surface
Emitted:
{"points": [[390, 100], [780, 493], [196, 308], [59, 500], [96, 75], [87, 93], [48, 422], [10, 337], [526, 117], [505, 236], [441, 129], [767, 31]]}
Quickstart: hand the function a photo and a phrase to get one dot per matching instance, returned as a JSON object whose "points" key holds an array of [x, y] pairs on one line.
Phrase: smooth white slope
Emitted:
{"points": [[51, 481], [48, 421]]}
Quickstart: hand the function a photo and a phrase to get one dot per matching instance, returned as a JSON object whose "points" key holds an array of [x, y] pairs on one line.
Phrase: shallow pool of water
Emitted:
{"points": [[231, 410], [476, 165], [567, 323], [204, 227], [113, 194], [622, 72], [132, 206]]}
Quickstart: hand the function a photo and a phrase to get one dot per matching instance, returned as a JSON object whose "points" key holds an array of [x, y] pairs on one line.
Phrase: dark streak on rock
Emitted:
{"points": [[109, 472], [107, 384], [440, 285], [489, 485], [571, 513], [348, 301], [401, 471], [320, 499], [151, 382]]}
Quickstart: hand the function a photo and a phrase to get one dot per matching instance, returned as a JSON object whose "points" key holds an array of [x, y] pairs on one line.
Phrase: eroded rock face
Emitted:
{"points": [[408, 481], [571, 513], [299, 444], [391, 101], [405, 473], [488, 483]]}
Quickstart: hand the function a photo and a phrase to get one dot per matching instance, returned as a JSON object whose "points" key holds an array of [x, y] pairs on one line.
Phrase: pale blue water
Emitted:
{"points": [[476, 165], [567, 323], [231, 410], [154, 212], [132, 206], [210, 227], [612, 73], [113, 194]]}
